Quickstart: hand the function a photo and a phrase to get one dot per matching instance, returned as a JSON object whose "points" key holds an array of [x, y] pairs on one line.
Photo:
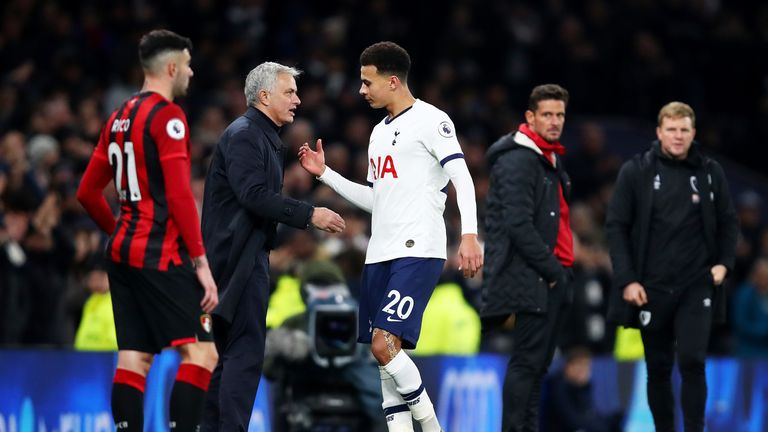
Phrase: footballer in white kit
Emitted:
{"points": [[410, 161], [412, 154]]}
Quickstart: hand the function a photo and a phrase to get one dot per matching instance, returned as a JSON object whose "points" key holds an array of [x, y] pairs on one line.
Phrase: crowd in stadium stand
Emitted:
{"points": [[64, 66]]}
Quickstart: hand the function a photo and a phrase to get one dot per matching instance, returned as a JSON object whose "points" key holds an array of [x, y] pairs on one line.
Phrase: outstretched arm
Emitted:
{"points": [[314, 162]]}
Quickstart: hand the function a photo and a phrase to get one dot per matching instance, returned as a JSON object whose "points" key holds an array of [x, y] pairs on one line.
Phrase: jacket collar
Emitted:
{"points": [[695, 157], [265, 124], [523, 140]]}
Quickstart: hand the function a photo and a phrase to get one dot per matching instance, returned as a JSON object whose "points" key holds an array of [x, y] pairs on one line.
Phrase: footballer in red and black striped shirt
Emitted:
{"points": [[145, 148], [158, 298]]}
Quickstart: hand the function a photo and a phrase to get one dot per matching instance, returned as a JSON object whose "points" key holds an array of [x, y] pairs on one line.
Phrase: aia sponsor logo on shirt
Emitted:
{"points": [[381, 167]]}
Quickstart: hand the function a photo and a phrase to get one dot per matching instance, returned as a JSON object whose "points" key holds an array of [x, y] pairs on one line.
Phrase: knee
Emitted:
{"points": [[658, 368], [134, 361], [659, 365], [210, 357], [691, 363], [203, 354], [529, 362], [380, 351]]}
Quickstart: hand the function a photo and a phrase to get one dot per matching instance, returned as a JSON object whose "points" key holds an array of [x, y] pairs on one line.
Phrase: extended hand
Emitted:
{"points": [[313, 161], [718, 274], [635, 293], [327, 220], [470, 255], [211, 292]]}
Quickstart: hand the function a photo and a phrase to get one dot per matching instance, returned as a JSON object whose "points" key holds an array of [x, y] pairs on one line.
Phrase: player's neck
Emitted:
{"points": [[158, 86], [400, 103]]}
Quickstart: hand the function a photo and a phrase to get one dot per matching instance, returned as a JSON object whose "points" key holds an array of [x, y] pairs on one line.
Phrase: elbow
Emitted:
{"points": [[84, 197], [80, 195], [252, 198]]}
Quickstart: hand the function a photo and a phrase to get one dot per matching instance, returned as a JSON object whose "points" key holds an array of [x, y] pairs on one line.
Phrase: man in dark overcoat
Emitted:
{"points": [[241, 209]]}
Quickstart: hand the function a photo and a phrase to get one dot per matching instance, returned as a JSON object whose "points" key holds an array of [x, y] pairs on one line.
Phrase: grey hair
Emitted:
{"points": [[264, 77]]}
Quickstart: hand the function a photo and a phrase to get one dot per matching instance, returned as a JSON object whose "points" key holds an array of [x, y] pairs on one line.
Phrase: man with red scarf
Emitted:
{"points": [[528, 250]]}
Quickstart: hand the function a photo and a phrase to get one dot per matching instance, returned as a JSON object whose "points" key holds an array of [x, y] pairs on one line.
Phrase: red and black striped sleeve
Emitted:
{"points": [[97, 176], [171, 134]]}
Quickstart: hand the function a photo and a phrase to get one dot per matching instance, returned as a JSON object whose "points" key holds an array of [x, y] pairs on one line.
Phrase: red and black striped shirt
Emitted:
{"points": [[144, 148]]}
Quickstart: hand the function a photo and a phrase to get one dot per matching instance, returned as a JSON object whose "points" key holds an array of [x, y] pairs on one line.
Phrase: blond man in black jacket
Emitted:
{"points": [[668, 276]]}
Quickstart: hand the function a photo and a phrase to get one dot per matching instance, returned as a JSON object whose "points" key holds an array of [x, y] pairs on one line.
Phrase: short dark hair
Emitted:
{"points": [[159, 41], [547, 92], [389, 59]]}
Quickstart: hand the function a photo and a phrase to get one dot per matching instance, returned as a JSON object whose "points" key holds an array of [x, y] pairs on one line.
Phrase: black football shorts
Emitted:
{"points": [[157, 309]]}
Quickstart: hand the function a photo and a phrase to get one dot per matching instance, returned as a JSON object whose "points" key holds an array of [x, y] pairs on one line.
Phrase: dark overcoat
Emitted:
{"points": [[522, 222], [243, 205]]}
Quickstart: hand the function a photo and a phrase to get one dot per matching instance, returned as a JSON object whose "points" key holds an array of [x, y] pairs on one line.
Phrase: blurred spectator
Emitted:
{"points": [[298, 133], [750, 313], [568, 402], [20, 177], [208, 129], [285, 263], [749, 208], [36, 262], [88, 243], [49, 249], [585, 323], [629, 344], [451, 325], [591, 166], [43, 155], [15, 301], [96, 331], [297, 183], [749, 211]]}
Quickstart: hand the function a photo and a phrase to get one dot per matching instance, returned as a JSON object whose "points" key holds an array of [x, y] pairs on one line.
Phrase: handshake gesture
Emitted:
{"points": [[327, 220], [314, 162]]}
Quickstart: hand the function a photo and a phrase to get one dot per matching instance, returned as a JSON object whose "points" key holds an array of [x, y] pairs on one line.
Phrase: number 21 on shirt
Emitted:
{"points": [[116, 160]]}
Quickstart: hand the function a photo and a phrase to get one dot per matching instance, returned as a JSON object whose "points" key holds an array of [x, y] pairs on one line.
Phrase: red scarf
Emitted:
{"points": [[564, 244], [541, 143]]}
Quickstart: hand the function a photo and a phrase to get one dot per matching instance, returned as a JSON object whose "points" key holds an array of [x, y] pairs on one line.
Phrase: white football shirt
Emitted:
{"points": [[405, 168]]}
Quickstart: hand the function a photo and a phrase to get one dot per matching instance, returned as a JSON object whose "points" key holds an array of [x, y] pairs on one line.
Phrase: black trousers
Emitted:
{"points": [[535, 340], [235, 380], [684, 328]]}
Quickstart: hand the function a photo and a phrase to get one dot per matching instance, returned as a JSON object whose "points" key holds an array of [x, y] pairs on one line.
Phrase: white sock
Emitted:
{"points": [[408, 380], [395, 409]]}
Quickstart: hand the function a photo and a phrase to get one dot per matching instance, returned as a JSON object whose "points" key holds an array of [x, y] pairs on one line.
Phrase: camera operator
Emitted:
{"points": [[312, 352]]}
